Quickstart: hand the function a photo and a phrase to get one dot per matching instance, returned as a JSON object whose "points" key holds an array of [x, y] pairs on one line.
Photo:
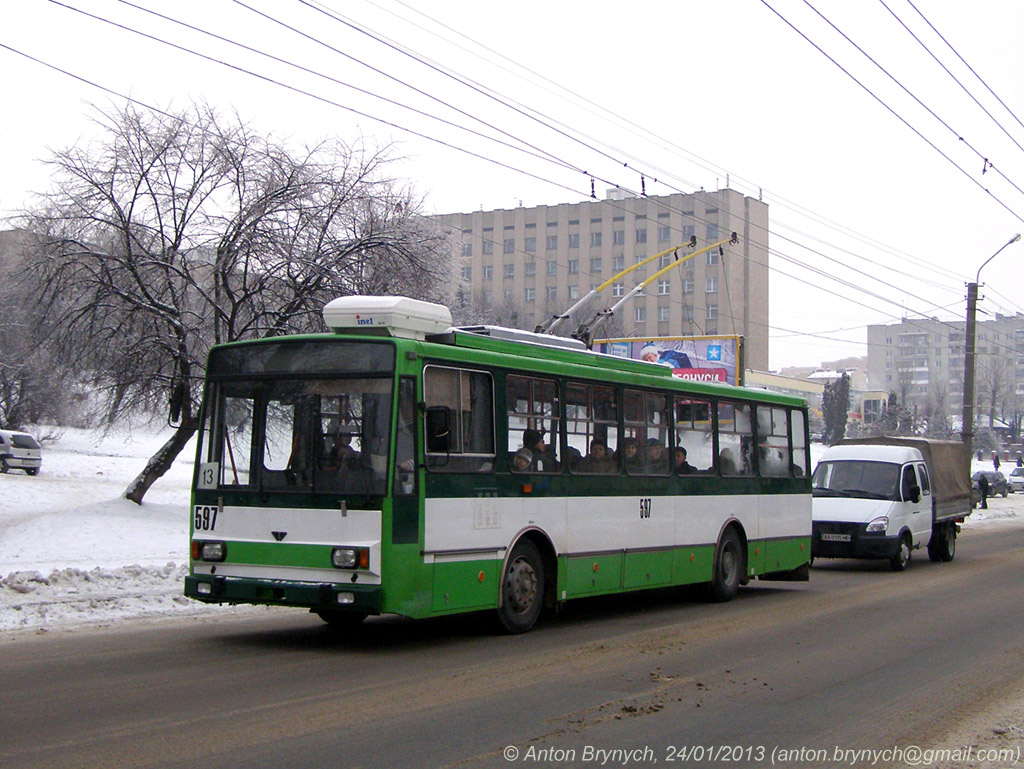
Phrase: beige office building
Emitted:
{"points": [[922, 361], [525, 265]]}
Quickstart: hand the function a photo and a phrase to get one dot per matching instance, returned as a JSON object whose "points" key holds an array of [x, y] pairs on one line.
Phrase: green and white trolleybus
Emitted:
{"points": [[399, 465]]}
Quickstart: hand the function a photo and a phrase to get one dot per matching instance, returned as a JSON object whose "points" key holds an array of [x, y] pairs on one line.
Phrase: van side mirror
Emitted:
{"points": [[438, 430], [915, 494]]}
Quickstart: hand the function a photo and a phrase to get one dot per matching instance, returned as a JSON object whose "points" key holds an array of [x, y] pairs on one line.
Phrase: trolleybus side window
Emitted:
{"points": [[799, 432], [647, 423], [735, 437], [592, 426], [695, 436], [773, 441], [532, 408], [462, 439]]}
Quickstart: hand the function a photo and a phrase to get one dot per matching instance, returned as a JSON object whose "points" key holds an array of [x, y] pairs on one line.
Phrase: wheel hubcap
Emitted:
{"points": [[521, 586], [728, 563]]}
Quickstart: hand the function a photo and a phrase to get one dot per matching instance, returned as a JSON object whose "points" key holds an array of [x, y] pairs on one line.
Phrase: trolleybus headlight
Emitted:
{"points": [[879, 524], [212, 551], [350, 558]]}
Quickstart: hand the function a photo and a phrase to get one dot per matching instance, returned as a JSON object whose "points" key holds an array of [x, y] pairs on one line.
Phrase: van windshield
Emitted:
{"points": [[863, 479]]}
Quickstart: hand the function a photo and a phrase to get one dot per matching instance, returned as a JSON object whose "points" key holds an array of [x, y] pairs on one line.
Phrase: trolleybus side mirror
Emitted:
{"points": [[438, 430], [177, 400]]}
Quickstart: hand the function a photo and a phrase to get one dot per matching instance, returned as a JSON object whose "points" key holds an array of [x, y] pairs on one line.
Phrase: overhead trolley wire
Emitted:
{"points": [[894, 113]]}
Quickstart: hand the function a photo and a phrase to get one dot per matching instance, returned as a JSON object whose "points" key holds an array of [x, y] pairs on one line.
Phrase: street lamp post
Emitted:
{"points": [[967, 431]]}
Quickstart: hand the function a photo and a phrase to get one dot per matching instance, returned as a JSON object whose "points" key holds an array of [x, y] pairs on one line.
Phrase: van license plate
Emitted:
{"points": [[835, 537]]}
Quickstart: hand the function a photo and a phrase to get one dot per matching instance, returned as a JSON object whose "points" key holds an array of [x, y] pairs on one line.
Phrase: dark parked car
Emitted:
{"points": [[997, 484]]}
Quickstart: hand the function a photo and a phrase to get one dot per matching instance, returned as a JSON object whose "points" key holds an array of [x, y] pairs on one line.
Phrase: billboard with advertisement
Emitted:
{"points": [[705, 358]]}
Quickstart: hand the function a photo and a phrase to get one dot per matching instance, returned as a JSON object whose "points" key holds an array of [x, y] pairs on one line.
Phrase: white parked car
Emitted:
{"points": [[19, 451], [1017, 480]]}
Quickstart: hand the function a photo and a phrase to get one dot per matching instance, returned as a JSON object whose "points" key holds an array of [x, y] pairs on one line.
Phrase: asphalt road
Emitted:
{"points": [[858, 659]]}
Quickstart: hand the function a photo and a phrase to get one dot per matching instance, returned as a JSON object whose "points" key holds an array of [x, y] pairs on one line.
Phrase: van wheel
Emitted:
{"points": [[901, 558], [3, 466], [522, 588], [729, 567], [32, 471], [942, 546]]}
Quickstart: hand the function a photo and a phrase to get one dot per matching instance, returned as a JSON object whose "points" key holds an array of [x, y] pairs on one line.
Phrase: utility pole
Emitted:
{"points": [[967, 428]]}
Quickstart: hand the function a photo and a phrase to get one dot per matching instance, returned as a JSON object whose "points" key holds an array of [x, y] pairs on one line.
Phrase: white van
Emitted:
{"points": [[885, 497], [19, 451]]}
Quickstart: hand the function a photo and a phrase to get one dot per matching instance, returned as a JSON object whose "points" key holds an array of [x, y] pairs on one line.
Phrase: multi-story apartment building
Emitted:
{"points": [[537, 262], [922, 361]]}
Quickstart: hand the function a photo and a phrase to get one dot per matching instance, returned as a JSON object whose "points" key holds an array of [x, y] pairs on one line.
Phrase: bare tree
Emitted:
{"points": [[995, 383], [177, 231]]}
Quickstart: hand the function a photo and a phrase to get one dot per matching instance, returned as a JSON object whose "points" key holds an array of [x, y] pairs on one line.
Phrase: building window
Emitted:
{"points": [[552, 267], [595, 264], [663, 314], [467, 249], [689, 230], [687, 285], [467, 274], [574, 292], [618, 289], [510, 246], [712, 286], [712, 312], [530, 244], [663, 287], [712, 232], [510, 270], [618, 263], [595, 239], [712, 257], [687, 313], [530, 295], [641, 235], [487, 247], [551, 293], [574, 266], [552, 242], [664, 234], [664, 260], [619, 238], [574, 240], [488, 272], [641, 314], [530, 269]]}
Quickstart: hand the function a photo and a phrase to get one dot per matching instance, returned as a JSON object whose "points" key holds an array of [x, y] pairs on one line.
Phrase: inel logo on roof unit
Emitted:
{"points": [[364, 321]]}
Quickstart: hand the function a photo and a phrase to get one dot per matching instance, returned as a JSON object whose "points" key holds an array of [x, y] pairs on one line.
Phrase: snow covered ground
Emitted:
{"points": [[73, 552]]}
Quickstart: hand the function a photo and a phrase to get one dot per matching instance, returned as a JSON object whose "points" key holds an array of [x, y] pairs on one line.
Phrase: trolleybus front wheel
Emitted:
{"points": [[522, 588]]}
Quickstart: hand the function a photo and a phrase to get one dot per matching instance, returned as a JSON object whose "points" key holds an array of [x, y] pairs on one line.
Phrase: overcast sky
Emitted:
{"points": [[863, 182]]}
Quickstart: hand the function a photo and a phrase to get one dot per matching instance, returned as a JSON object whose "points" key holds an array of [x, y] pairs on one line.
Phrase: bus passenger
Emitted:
{"points": [[544, 460], [657, 458], [727, 462], [630, 455], [599, 460], [522, 460], [682, 466]]}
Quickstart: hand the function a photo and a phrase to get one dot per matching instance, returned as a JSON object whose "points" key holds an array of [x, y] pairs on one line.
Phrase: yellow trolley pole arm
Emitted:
{"points": [[586, 330], [552, 325]]}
